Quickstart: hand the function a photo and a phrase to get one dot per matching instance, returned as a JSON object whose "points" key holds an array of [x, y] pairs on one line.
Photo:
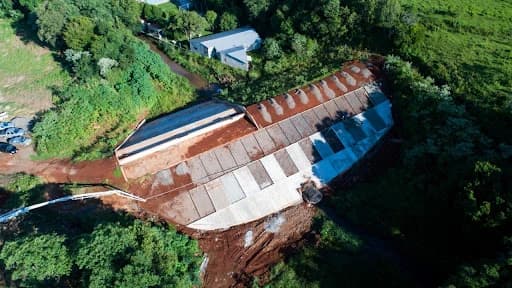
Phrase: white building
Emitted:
{"points": [[230, 47]]}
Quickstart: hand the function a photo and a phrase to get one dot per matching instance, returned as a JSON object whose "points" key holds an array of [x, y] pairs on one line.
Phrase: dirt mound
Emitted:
{"points": [[237, 254]]}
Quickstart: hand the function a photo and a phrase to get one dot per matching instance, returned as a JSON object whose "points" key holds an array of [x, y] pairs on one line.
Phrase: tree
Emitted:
{"points": [[38, 258], [211, 18], [271, 48], [228, 21], [105, 65], [79, 33], [388, 13], [139, 255], [188, 23], [485, 199], [26, 190], [256, 7], [52, 17]]}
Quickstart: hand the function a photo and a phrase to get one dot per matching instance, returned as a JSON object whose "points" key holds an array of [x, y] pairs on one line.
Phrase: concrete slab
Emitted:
{"points": [[225, 158], [286, 162], [215, 190], [273, 168], [321, 145], [354, 102], [251, 146], [210, 163], [232, 188], [375, 120], [289, 130], [333, 110], [260, 174], [180, 208], [197, 172], [344, 105], [309, 150], [239, 154], [298, 156], [264, 140], [202, 201], [278, 136], [362, 96], [312, 120], [301, 125], [249, 184], [332, 139], [323, 115]]}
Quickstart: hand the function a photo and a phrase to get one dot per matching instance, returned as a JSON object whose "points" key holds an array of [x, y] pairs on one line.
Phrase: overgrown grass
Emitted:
{"points": [[210, 69], [467, 44], [28, 73]]}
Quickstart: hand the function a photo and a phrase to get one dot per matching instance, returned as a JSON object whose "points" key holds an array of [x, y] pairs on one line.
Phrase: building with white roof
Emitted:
{"points": [[230, 47]]}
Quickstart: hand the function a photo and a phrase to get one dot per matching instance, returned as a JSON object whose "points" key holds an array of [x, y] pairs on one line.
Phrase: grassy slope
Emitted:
{"points": [[472, 39], [27, 74]]}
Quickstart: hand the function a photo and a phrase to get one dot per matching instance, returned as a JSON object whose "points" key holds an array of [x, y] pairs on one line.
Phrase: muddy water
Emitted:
{"points": [[195, 80]]}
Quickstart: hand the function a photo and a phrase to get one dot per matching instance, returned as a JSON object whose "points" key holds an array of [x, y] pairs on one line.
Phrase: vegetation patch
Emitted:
{"points": [[28, 72]]}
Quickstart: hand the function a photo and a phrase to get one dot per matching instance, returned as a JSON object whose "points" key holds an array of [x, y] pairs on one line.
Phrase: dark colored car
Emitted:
{"points": [[21, 140], [7, 148]]}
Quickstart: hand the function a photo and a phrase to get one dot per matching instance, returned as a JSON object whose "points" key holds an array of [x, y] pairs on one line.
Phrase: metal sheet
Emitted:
{"points": [[202, 201], [301, 126], [238, 151], [225, 158], [260, 174], [286, 162], [278, 136], [251, 146], [197, 171], [215, 190], [210, 163], [289, 130], [232, 188], [264, 140]]}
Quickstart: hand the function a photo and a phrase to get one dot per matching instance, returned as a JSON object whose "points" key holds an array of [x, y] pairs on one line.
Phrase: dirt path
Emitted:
{"points": [[60, 171]]}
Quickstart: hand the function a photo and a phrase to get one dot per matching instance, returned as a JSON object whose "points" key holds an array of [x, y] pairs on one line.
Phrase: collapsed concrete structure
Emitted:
{"points": [[217, 165]]}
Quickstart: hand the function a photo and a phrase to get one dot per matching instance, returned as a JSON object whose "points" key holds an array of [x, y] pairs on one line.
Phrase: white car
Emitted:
{"points": [[12, 132]]}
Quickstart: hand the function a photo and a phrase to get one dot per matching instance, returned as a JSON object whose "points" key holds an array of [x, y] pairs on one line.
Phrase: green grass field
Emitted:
{"points": [[467, 42], [28, 73]]}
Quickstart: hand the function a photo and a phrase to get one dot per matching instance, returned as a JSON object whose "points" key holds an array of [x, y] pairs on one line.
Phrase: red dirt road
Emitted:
{"points": [[60, 171]]}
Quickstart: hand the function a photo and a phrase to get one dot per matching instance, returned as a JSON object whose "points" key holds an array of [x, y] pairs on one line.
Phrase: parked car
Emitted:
{"points": [[21, 140], [5, 125], [12, 132], [8, 148]]}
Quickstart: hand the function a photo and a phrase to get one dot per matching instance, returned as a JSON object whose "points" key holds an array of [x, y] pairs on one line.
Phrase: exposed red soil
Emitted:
{"points": [[232, 265]]}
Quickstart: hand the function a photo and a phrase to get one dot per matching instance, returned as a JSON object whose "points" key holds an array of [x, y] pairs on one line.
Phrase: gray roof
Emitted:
{"points": [[237, 53], [155, 2], [244, 36]]}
